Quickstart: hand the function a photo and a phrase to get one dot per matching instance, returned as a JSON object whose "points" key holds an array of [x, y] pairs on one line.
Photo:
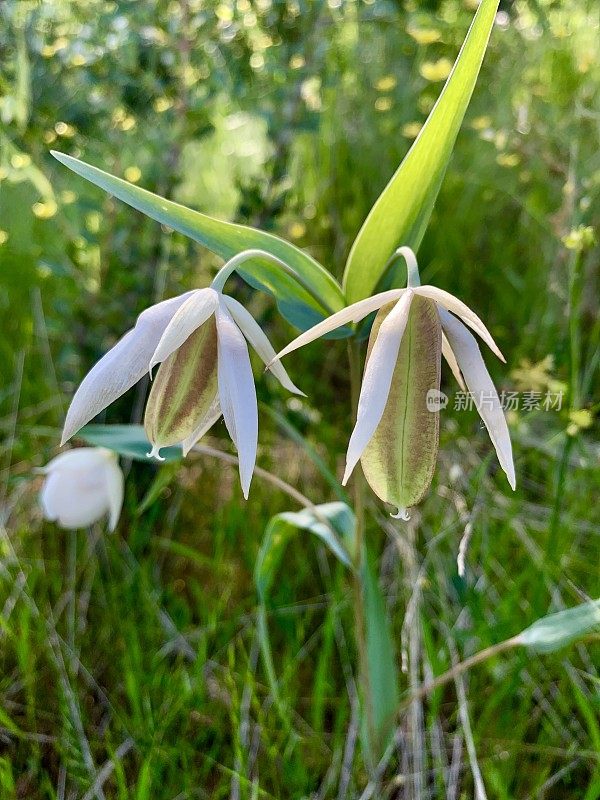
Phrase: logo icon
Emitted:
{"points": [[436, 400]]}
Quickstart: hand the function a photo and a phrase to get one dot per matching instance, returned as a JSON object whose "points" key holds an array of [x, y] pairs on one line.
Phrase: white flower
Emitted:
{"points": [[81, 486], [446, 334], [200, 340]]}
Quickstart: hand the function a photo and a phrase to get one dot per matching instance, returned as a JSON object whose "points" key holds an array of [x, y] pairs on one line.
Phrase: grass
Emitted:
{"points": [[130, 663]]}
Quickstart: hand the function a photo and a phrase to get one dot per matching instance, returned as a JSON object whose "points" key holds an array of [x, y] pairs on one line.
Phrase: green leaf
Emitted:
{"points": [[558, 630], [381, 703], [333, 523], [402, 211], [126, 440], [400, 459], [226, 239]]}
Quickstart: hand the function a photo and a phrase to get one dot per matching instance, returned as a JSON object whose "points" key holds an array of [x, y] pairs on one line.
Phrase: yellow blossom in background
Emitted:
{"points": [[536, 376], [580, 419], [45, 210], [297, 230], [411, 130], [425, 35], [508, 159], [386, 84], [297, 62], [3, 237], [162, 104], [481, 123], [49, 137], [581, 238], [20, 160], [78, 60], [434, 71], [67, 197], [64, 129], [133, 174], [383, 103]]}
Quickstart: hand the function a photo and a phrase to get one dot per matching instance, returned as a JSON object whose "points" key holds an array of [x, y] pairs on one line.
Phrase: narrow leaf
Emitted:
{"points": [[226, 239], [381, 703], [333, 523], [401, 213], [557, 630]]}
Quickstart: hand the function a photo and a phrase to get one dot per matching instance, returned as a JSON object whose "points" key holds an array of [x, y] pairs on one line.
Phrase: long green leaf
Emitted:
{"points": [[129, 441], [401, 213], [381, 703], [226, 239]]}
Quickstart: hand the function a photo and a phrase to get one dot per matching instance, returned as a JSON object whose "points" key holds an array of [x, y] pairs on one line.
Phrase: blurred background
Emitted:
{"points": [[130, 663]]}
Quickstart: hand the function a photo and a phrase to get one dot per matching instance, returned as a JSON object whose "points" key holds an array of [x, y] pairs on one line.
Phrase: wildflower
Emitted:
{"points": [[432, 318], [82, 486], [199, 338]]}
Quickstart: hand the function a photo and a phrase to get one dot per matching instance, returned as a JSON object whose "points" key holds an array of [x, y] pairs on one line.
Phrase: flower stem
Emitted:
{"points": [[232, 265], [358, 488]]}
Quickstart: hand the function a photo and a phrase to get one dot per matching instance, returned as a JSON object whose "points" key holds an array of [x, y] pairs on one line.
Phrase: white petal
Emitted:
{"points": [[114, 490], [237, 394], [188, 318], [377, 380], [121, 367], [258, 339], [353, 313], [74, 499], [204, 425], [452, 363], [480, 384], [456, 306], [77, 460]]}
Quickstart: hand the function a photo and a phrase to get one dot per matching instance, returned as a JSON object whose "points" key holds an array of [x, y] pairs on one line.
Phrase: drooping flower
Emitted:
{"points": [[396, 432], [199, 339], [81, 487]]}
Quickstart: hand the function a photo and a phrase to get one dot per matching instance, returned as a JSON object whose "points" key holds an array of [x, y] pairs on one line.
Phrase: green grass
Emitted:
{"points": [[130, 663]]}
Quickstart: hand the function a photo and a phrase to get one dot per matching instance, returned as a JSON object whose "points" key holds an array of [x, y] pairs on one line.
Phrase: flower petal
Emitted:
{"points": [[258, 339], [75, 498], [205, 423], [399, 461], [121, 367], [237, 393], [183, 389], [114, 489], [188, 318], [480, 385], [469, 317], [353, 313], [377, 380], [452, 363]]}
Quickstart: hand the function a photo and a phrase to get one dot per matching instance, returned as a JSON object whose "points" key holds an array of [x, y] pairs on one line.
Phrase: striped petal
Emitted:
{"points": [[399, 461], [205, 423], [183, 389], [237, 394], [121, 367], [377, 379], [353, 313], [480, 385], [259, 341], [188, 318], [456, 306]]}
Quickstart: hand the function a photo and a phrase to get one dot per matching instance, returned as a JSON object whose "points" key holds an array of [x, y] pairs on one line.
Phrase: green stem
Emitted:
{"points": [[360, 552], [231, 266]]}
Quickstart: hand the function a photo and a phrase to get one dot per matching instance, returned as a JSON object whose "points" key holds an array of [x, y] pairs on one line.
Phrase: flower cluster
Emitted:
{"points": [[200, 338]]}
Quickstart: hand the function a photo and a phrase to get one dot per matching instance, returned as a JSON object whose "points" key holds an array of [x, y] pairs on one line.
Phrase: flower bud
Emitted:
{"points": [[82, 486]]}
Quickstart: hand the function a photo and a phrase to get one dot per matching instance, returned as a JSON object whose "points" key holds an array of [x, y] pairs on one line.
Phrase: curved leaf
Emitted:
{"points": [[226, 239], [402, 211]]}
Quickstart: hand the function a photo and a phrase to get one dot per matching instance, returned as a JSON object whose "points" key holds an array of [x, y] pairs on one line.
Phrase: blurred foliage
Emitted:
{"points": [[292, 116]]}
